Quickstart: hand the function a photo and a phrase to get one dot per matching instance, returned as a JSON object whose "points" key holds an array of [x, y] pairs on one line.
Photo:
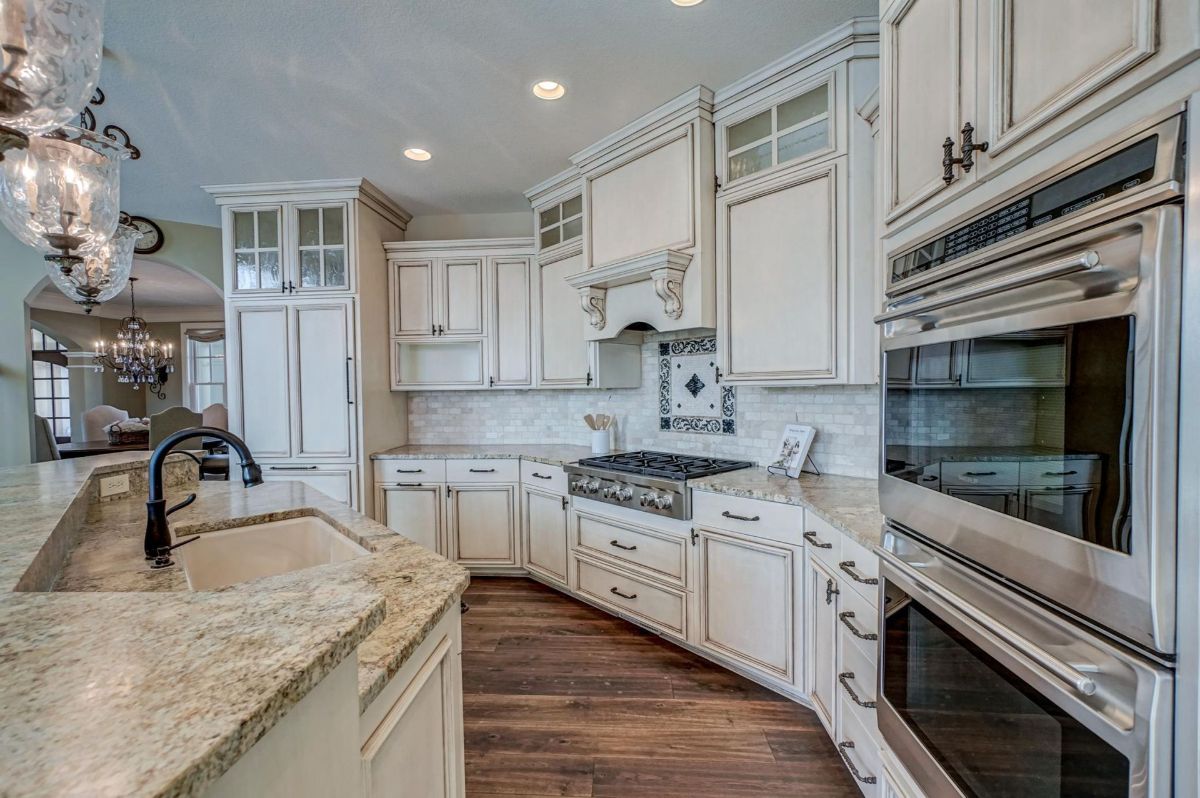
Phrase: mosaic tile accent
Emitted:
{"points": [[690, 398]]}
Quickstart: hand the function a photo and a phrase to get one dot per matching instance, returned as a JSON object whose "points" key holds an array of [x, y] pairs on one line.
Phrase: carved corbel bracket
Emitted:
{"points": [[668, 284], [592, 300]]}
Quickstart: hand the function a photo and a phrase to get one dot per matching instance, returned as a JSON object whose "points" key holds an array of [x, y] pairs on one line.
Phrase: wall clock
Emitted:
{"points": [[152, 235]]}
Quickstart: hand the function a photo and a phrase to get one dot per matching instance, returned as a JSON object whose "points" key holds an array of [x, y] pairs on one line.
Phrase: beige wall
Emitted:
{"points": [[470, 225]]}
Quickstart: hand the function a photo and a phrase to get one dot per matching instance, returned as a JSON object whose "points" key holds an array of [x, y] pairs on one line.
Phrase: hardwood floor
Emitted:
{"points": [[562, 699]]}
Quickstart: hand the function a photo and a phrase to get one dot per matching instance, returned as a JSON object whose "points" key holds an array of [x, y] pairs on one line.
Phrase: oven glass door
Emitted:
{"points": [[1035, 424], [991, 733]]}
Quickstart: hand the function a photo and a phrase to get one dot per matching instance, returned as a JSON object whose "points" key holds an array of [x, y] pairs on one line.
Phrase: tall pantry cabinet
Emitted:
{"points": [[306, 317]]}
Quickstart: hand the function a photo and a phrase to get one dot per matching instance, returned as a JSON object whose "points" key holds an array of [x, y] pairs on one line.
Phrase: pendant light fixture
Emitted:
{"points": [[135, 357], [102, 273], [51, 53]]}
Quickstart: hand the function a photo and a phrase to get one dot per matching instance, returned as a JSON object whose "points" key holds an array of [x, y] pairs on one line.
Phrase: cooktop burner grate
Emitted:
{"points": [[665, 464]]}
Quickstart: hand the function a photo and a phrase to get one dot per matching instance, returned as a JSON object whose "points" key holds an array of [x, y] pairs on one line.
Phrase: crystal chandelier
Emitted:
{"points": [[135, 357], [102, 273], [51, 61]]}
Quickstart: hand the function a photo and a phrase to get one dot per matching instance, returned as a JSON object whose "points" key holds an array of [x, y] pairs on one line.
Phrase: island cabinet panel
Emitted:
{"points": [[260, 393], [544, 525], [415, 511], [483, 524]]}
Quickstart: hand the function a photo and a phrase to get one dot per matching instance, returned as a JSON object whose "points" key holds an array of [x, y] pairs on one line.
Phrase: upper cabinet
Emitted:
{"points": [[796, 284], [972, 88], [320, 248]]}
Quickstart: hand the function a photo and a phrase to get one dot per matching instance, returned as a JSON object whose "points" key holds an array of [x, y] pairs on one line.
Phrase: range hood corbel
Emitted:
{"points": [[664, 269]]}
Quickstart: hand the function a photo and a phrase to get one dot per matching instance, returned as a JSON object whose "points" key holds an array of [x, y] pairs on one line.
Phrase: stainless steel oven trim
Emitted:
{"points": [[1136, 592], [1129, 707]]}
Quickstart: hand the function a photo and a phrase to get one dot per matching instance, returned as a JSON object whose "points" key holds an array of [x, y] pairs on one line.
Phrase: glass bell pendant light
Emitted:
{"points": [[101, 274], [51, 62], [62, 194]]}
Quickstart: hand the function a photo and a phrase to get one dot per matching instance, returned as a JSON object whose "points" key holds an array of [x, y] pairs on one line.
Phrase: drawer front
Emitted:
{"points": [[857, 687], [391, 472], [771, 520], [665, 556], [859, 749], [1053, 473], [481, 470], [551, 479], [335, 480], [980, 473], [658, 606], [822, 539], [858, 623], [859, 567]]}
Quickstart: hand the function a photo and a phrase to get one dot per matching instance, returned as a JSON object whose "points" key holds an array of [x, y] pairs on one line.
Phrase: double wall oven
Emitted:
{"points": [[1029, 419]]}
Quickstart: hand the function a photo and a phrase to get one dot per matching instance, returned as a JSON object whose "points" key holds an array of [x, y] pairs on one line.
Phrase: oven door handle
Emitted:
{"points": [[1084, 261], [1061, 670]]}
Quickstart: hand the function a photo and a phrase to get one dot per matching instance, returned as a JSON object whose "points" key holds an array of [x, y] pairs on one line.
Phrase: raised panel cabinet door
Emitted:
{"points": [[545, 528], [922, 95], [462, 297], [510, 316], [412, 752], [561, 336], [323, 418], [746, 602], [782, 277], [415, 511], [263, 409], [483, 524], [821, 609], [412, 297]]}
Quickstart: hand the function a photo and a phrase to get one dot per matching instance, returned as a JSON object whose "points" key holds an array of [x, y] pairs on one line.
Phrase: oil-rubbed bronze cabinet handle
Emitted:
{"points": [[812, 538], [482, 470], [846, 745], [847, 567], [629, 596], [845, 617], [979, 473], [410, 470], [618, 545], [844, 679], [542, 476], [1059, 473], [737, 517]]}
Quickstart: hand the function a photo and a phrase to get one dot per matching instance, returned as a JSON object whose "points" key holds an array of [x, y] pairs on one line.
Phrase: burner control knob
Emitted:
{"points": [[592, 487], [663, 502], [624, 494], [576, 484], [608, 492], [647, 499]]}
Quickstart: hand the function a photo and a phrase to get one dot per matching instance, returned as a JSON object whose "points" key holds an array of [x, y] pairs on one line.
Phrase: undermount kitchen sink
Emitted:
{"points": [[239, 554]]}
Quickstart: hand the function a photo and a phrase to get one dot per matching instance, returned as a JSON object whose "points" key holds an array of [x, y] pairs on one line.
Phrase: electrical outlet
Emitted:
{"points": [[110, 486]]}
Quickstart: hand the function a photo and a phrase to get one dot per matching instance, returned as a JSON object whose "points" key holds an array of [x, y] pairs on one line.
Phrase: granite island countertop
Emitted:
{"points": [[222, 667], [849, 503], [549, 453]]}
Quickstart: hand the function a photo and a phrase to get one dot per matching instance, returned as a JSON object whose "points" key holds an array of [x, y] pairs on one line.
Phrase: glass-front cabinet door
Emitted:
{"points": [[320, 251], [257, 250], [793, 130]]}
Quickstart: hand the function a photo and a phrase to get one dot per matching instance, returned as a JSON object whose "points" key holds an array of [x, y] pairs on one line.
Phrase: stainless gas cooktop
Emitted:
{"points": [[654, 482]]}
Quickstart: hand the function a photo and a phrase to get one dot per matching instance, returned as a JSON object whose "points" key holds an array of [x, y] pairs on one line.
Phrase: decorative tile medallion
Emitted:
{"points": [[690, 399]]}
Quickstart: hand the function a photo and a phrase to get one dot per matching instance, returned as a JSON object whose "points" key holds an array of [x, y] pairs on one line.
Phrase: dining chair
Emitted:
{"points": [[45, 444], [99, 417], [172, 420]]}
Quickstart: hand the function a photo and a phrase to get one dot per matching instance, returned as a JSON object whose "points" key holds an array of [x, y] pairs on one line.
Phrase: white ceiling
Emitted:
{"points": [[231, 91], [164, 293]]}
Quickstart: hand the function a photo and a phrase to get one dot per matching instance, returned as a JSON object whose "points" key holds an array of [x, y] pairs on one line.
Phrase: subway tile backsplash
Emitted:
{"points": [[846, 419]]}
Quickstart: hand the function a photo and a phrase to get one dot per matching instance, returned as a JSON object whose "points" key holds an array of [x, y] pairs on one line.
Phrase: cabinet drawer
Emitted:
{"points": [[507, 470], [390, 472], [544, 477], [822, 539], [1060, 472], [858, 623], [979, 473], [658, 606], [859, 749], [335, 480], [857, 687], [663, 555], [859, 567], [771, 520]]}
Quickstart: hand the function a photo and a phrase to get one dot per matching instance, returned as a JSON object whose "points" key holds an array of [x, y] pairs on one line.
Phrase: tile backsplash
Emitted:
{"points": [[846, 419]]}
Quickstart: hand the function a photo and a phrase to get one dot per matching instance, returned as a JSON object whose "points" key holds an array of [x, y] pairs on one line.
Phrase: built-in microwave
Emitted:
{"points": [[1030, 405]]}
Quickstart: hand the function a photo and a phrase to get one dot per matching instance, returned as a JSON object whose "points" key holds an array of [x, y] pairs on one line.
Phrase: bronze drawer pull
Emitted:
{"points": [[845, 617], [1059, 473], [292, 468], [410, 470], [408, 484], [542, 476], [737, 517], [979, 473], [482, 470], [629, 596], [619, 546], [845, 678], [848, 567], [811, 537], [842, 748]]}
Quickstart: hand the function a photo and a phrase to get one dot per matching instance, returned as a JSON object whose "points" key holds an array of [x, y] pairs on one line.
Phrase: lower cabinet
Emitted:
{"points": [[544, 528], [412, 734], [821, 609], [335, 481], [482, 525], [415, 511], [748, 593]]}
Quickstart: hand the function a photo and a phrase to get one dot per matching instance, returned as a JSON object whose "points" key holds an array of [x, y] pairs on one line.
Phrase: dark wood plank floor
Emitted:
{"points": [[564, 700]]}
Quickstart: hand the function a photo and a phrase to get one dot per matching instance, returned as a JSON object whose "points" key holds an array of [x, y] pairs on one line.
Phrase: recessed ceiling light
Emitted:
{"points": [[417, 154], [686, 3], [549, 89]]}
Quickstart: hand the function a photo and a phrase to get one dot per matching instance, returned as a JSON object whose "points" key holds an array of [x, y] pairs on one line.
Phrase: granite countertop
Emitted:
{"points": [[849, 503], [226, 665], [549, 453]]}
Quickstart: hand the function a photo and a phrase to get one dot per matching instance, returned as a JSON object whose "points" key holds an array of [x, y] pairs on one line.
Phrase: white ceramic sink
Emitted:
{"points": [[242, 553]]}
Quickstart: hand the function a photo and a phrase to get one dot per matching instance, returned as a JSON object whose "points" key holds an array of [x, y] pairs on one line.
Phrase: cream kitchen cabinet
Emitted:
{"points": [[482, 525], [294, 350], [544, 530], [416, 510], [1023, 74], [796, 284], [821, 608], [437, 296]]}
